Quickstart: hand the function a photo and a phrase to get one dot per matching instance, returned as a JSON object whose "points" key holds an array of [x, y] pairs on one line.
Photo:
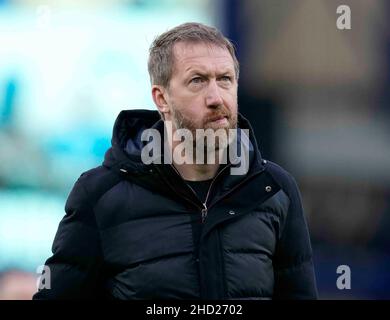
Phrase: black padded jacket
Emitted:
{"points": [[135, 231]]}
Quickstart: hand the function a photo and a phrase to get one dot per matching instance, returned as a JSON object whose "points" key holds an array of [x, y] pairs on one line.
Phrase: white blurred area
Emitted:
{"points": [[67, 68], [80, 66]]}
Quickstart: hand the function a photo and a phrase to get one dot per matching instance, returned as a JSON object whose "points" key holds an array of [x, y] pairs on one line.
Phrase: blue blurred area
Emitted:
{"points": [[66, 70], [10, 91], [370, 278], [29, 220]]}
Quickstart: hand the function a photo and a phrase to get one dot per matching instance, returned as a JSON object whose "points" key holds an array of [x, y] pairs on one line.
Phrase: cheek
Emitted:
{"points": [[231, 101], [193, 106], [189, 109]]}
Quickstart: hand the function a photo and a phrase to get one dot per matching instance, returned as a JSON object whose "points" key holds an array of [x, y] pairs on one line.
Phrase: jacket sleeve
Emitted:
{"points": [[293, 263], [76, 264]]}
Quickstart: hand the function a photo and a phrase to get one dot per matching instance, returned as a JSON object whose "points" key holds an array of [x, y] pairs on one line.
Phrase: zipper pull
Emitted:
{"points": [[204, 212]]}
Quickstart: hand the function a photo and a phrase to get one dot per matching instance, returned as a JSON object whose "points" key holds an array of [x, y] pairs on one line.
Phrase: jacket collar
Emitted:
{"points": [[125, 152]]}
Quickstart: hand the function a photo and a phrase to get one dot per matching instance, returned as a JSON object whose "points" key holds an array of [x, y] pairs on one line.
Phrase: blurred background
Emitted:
{"points": [[318, 99]]}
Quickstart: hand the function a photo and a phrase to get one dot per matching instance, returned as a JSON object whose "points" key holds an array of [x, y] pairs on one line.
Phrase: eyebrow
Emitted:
{"points": [[194, 71]]}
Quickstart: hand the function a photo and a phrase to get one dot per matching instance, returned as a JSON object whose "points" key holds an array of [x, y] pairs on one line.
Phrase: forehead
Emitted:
{"points": [[190, 55]]}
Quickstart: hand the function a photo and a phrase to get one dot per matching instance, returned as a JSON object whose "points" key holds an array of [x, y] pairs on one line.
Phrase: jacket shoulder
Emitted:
{"points": [[98, 180], [94, 175], [91, 186], [283, 178]]}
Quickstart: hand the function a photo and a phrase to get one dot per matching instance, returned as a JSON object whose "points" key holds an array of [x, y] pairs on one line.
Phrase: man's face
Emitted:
{"points": [[202, 92]]}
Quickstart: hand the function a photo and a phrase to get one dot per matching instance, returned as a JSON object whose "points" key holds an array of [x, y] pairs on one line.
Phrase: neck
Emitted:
{"points": [[192, 171], [185, 156], [197, 172]]}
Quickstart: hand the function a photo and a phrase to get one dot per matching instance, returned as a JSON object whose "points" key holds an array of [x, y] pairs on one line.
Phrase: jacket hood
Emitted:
{"points": [[126, 143]]}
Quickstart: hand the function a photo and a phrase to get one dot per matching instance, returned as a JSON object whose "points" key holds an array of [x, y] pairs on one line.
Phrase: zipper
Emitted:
{"points": [[188, 199], [204, 208], [204, 212]]}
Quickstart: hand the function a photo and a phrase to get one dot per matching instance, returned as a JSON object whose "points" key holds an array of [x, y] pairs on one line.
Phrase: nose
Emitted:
{"points": [[213, 95]]}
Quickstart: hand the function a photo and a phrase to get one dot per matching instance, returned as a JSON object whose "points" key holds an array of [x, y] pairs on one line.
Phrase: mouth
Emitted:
{"points": [[218, 119]]}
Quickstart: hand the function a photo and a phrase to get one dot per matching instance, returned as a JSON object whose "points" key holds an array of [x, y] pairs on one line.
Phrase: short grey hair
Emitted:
{"points": [[161, 56]]}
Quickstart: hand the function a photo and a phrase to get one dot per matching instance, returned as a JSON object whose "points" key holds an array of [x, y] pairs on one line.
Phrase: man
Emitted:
{"points": [[137, 228]]}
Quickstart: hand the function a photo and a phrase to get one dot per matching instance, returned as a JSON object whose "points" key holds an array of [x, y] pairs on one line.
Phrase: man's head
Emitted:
{"points": [[194, 74]]}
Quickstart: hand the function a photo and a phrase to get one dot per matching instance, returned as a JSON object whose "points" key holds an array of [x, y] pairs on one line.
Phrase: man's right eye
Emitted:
{"points": [[196, 80]]}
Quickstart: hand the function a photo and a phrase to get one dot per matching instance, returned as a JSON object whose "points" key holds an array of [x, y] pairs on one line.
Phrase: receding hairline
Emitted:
{"points": [[211, 45], [194, 42], [184, 44]]}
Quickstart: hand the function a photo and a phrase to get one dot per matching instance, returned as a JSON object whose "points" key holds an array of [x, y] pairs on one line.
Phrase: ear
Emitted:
{"points": [[159, 95]]}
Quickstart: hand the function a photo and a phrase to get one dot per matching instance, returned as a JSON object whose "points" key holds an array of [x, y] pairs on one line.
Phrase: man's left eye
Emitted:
{"points": [[225, 78]]}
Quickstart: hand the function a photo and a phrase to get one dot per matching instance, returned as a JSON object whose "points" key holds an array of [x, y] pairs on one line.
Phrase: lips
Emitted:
{"points": [[216, 118]]}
